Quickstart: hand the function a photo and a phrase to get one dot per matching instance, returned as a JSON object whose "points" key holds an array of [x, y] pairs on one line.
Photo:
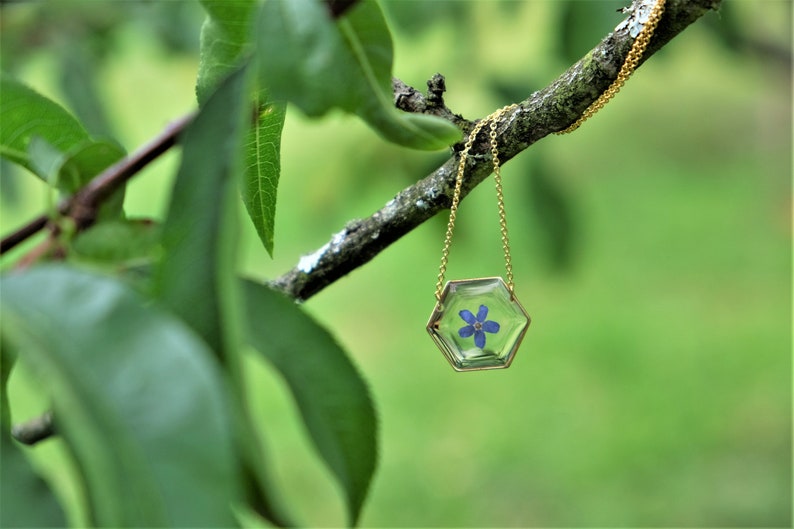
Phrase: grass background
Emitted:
{"points": [[652, 249]]}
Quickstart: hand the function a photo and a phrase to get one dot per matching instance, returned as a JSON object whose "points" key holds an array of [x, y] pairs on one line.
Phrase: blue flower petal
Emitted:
{"points": [[468, 317], [490, 326], [479, 339], [482, 313], [466, 331]]}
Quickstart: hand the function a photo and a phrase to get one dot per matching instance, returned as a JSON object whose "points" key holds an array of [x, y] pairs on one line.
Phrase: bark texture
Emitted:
{"points": [[544, 112]]}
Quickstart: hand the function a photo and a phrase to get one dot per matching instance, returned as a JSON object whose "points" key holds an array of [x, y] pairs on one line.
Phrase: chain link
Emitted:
{"points": [[493, 120], [629, 65], [500, 199]]}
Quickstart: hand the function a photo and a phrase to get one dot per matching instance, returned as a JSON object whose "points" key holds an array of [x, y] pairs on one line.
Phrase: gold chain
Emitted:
{"points": [[493, 120], [629, 65]]}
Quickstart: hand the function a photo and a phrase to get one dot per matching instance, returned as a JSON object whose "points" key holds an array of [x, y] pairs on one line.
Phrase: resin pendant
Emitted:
{"points": [[478, 324]]}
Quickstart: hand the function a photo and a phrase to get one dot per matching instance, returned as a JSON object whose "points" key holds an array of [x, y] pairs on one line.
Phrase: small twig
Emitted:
{"points": [[34, 430], [409, 99], [86, 202], [23, 233], [82, 207]]}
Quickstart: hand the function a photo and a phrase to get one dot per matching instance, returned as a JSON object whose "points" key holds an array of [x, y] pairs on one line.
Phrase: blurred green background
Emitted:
{"points": [[652, 249]]}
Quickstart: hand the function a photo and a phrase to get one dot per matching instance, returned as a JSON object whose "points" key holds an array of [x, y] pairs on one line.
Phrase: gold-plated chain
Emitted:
{"points": [[493, 120], [629, 65], [500, 199]]}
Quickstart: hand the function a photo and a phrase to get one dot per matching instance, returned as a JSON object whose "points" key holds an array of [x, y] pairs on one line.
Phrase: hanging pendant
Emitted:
{"points": [[478, 324]]}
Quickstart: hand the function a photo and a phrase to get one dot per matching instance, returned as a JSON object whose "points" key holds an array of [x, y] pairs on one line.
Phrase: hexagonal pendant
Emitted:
{"points": [[478, 324]]}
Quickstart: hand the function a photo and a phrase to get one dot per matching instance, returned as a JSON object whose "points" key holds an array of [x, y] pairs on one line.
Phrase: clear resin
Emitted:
{"points": [[478, 324]]}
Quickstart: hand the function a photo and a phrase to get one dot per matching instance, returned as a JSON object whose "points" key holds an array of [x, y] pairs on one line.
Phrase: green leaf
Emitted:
{"points": [[118, 242], [35, 130], [45, 160], [69, 172], [196, 278], [308, 59], [301, 56], [26, 499], [85, 161], [225, 38], [138, 399], [196, 275], [263, 166], [25, 114], [332, 398]]}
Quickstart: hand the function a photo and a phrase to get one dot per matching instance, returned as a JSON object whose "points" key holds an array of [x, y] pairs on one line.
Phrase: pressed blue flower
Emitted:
{"points": [[477, 325]]}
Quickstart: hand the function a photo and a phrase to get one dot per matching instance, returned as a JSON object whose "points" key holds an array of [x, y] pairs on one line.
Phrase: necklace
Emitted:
{"points": [[479, 323], [645, 17]]}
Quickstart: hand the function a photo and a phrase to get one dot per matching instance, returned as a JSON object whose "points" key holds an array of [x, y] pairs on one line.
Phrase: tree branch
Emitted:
{"points": [[28, 230], [410, 99], [82, 207], [549, 110]]}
